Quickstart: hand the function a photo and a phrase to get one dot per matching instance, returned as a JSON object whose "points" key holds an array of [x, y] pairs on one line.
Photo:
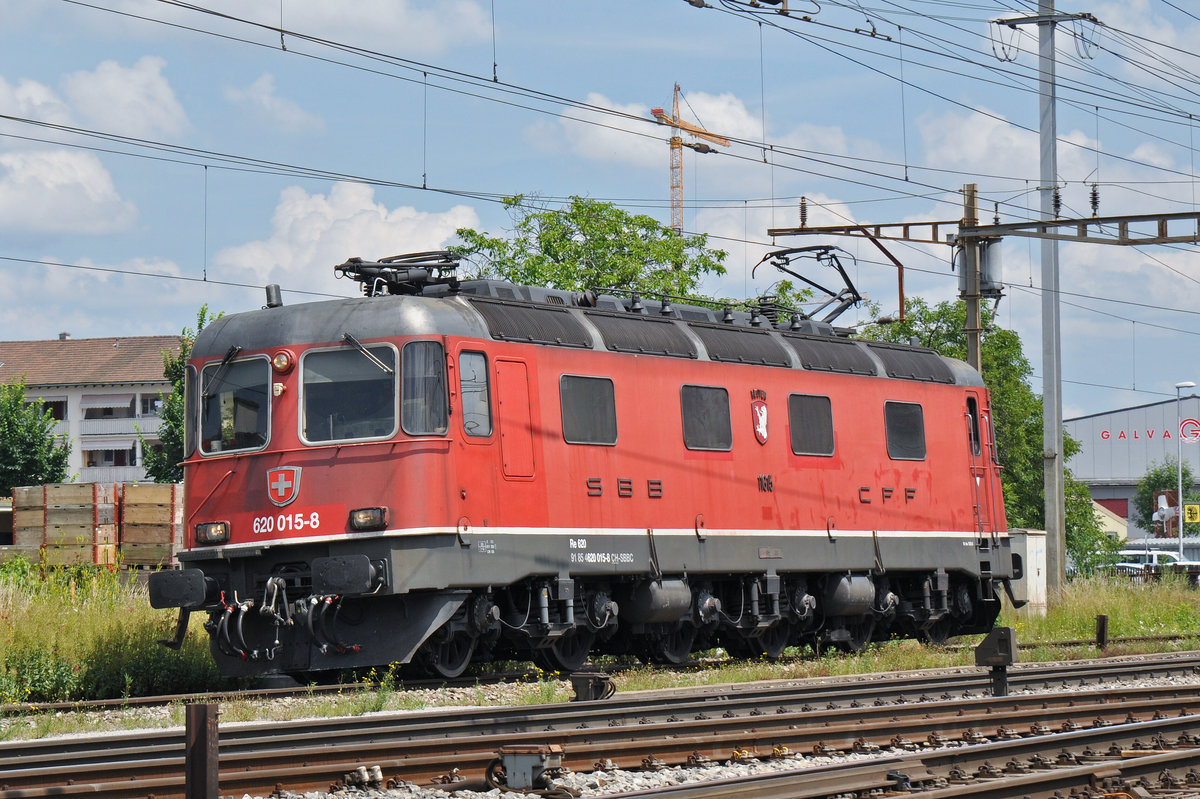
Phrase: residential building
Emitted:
{"points": [[103, 392]]}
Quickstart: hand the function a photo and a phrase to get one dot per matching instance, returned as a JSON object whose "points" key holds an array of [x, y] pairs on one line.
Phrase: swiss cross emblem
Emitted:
{"points": [[283, 484], [758, 414]]}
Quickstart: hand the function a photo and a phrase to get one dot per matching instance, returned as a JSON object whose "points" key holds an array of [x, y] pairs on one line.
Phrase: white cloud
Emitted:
{"points": [[60, 191], [310, 233], [132, 101], [260, 98], [32, 100], [969, 141], [599, 136], [638, 140]]}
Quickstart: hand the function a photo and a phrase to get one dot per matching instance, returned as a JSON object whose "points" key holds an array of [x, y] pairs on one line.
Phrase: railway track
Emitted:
{"points": [[904, 714], [970, 679], [1137, 759]]}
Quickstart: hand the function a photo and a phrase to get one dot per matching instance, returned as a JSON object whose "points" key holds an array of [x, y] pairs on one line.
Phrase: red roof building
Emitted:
{"points": [[102, 391]]}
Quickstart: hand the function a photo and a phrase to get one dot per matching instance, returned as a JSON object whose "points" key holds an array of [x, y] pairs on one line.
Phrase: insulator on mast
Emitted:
{"points": [[1095, 199], [1057, 200], [996, 213]]}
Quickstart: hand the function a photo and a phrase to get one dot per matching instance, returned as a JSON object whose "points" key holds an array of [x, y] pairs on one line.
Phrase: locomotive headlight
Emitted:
{"points": [[212, 532], [368, 518], [283, 361]]}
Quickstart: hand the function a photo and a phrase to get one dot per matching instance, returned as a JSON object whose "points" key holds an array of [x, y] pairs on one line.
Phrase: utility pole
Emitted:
{"points": [[970, 248], [1052, 434]]}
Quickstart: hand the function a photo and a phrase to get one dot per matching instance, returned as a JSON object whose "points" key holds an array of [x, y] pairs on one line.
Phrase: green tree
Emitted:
{"points": [[163, 464], [1016, 415], [1161, 476], [591, 244], [1088, 545], [29, 453]]}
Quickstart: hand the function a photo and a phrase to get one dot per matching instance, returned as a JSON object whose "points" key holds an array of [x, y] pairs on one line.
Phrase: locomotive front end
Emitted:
{"points": [[306, 461]]}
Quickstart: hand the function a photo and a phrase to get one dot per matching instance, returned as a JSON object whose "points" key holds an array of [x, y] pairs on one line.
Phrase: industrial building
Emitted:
{"points": [[1118, 447]]}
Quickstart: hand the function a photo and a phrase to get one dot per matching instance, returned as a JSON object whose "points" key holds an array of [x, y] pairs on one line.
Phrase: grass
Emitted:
{"points": [[83, 633], [70, 633]]}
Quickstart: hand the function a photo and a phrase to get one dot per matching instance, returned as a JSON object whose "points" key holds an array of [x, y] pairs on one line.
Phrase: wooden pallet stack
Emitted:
{"points": [[151, 523], [66, 524]]}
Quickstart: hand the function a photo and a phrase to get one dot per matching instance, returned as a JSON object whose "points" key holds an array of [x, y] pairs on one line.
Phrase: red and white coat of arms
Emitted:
{"points": [[283, 484]]}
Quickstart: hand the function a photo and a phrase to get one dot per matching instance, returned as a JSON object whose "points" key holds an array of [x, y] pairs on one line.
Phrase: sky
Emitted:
{"points": [[157, 156]]}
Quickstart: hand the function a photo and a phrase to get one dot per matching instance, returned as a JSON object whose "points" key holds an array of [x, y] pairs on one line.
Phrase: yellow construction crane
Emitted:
{"points": [[677, 145]]}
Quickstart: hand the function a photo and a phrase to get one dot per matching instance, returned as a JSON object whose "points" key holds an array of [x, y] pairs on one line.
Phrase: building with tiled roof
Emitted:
{"points": [[102, 391]]}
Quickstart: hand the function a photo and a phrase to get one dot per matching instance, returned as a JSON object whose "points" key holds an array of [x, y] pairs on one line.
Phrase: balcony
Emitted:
{"points": [[148, 425], [112, 474]]}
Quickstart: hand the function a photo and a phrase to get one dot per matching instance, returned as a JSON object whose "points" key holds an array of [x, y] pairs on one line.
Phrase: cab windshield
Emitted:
{"points": [[349, 394], [235, 405]]}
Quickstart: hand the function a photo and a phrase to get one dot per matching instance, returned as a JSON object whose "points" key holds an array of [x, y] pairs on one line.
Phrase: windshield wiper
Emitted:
{"points": [[351, 340], [219, 375]]}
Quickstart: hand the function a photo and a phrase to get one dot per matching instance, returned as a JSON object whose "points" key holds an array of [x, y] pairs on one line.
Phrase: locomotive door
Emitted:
{"points": [[982, 456], [513, 414]]}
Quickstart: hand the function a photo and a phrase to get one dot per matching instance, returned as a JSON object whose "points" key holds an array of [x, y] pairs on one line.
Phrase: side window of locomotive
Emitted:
{"points": [[189, 416], [348, 395], [810, 420], [706, 422], [905, 422], [973, 424], [473, 388], [235, 405], [589, 410], [423, 404]]}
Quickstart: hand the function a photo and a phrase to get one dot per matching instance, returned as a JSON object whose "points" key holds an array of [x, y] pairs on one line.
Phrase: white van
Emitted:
{"points": [[1137, 561]]}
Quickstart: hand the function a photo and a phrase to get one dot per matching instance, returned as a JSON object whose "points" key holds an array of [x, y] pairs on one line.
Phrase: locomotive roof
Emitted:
{"points": [[501, 311]]}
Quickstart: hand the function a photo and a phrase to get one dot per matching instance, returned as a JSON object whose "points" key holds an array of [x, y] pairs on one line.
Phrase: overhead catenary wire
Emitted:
{"points": [[496, 196], [414, 65]]}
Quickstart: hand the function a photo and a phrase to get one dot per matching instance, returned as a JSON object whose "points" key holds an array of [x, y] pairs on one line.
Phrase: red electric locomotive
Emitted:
{"points": [[443, 471]]}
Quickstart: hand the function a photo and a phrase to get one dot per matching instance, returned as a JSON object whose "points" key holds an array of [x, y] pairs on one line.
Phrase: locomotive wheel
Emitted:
{"points": [[737, 645], [938, 632], [860, 636], [774, 640], [675, 646], [451, 657], [769, 644], [568, 653]]}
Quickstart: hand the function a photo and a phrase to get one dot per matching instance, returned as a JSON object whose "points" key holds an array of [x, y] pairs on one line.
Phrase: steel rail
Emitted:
{"points": [[639, 707], [1101, 761], [257, 765], [927, 680]]}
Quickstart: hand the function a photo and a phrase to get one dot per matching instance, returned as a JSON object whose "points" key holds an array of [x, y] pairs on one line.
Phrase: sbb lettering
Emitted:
{"points": [[595, 488]]}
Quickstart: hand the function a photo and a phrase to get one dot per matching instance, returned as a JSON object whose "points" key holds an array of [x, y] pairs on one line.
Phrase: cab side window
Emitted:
{"points": [[423, 402], [473, 389]]}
